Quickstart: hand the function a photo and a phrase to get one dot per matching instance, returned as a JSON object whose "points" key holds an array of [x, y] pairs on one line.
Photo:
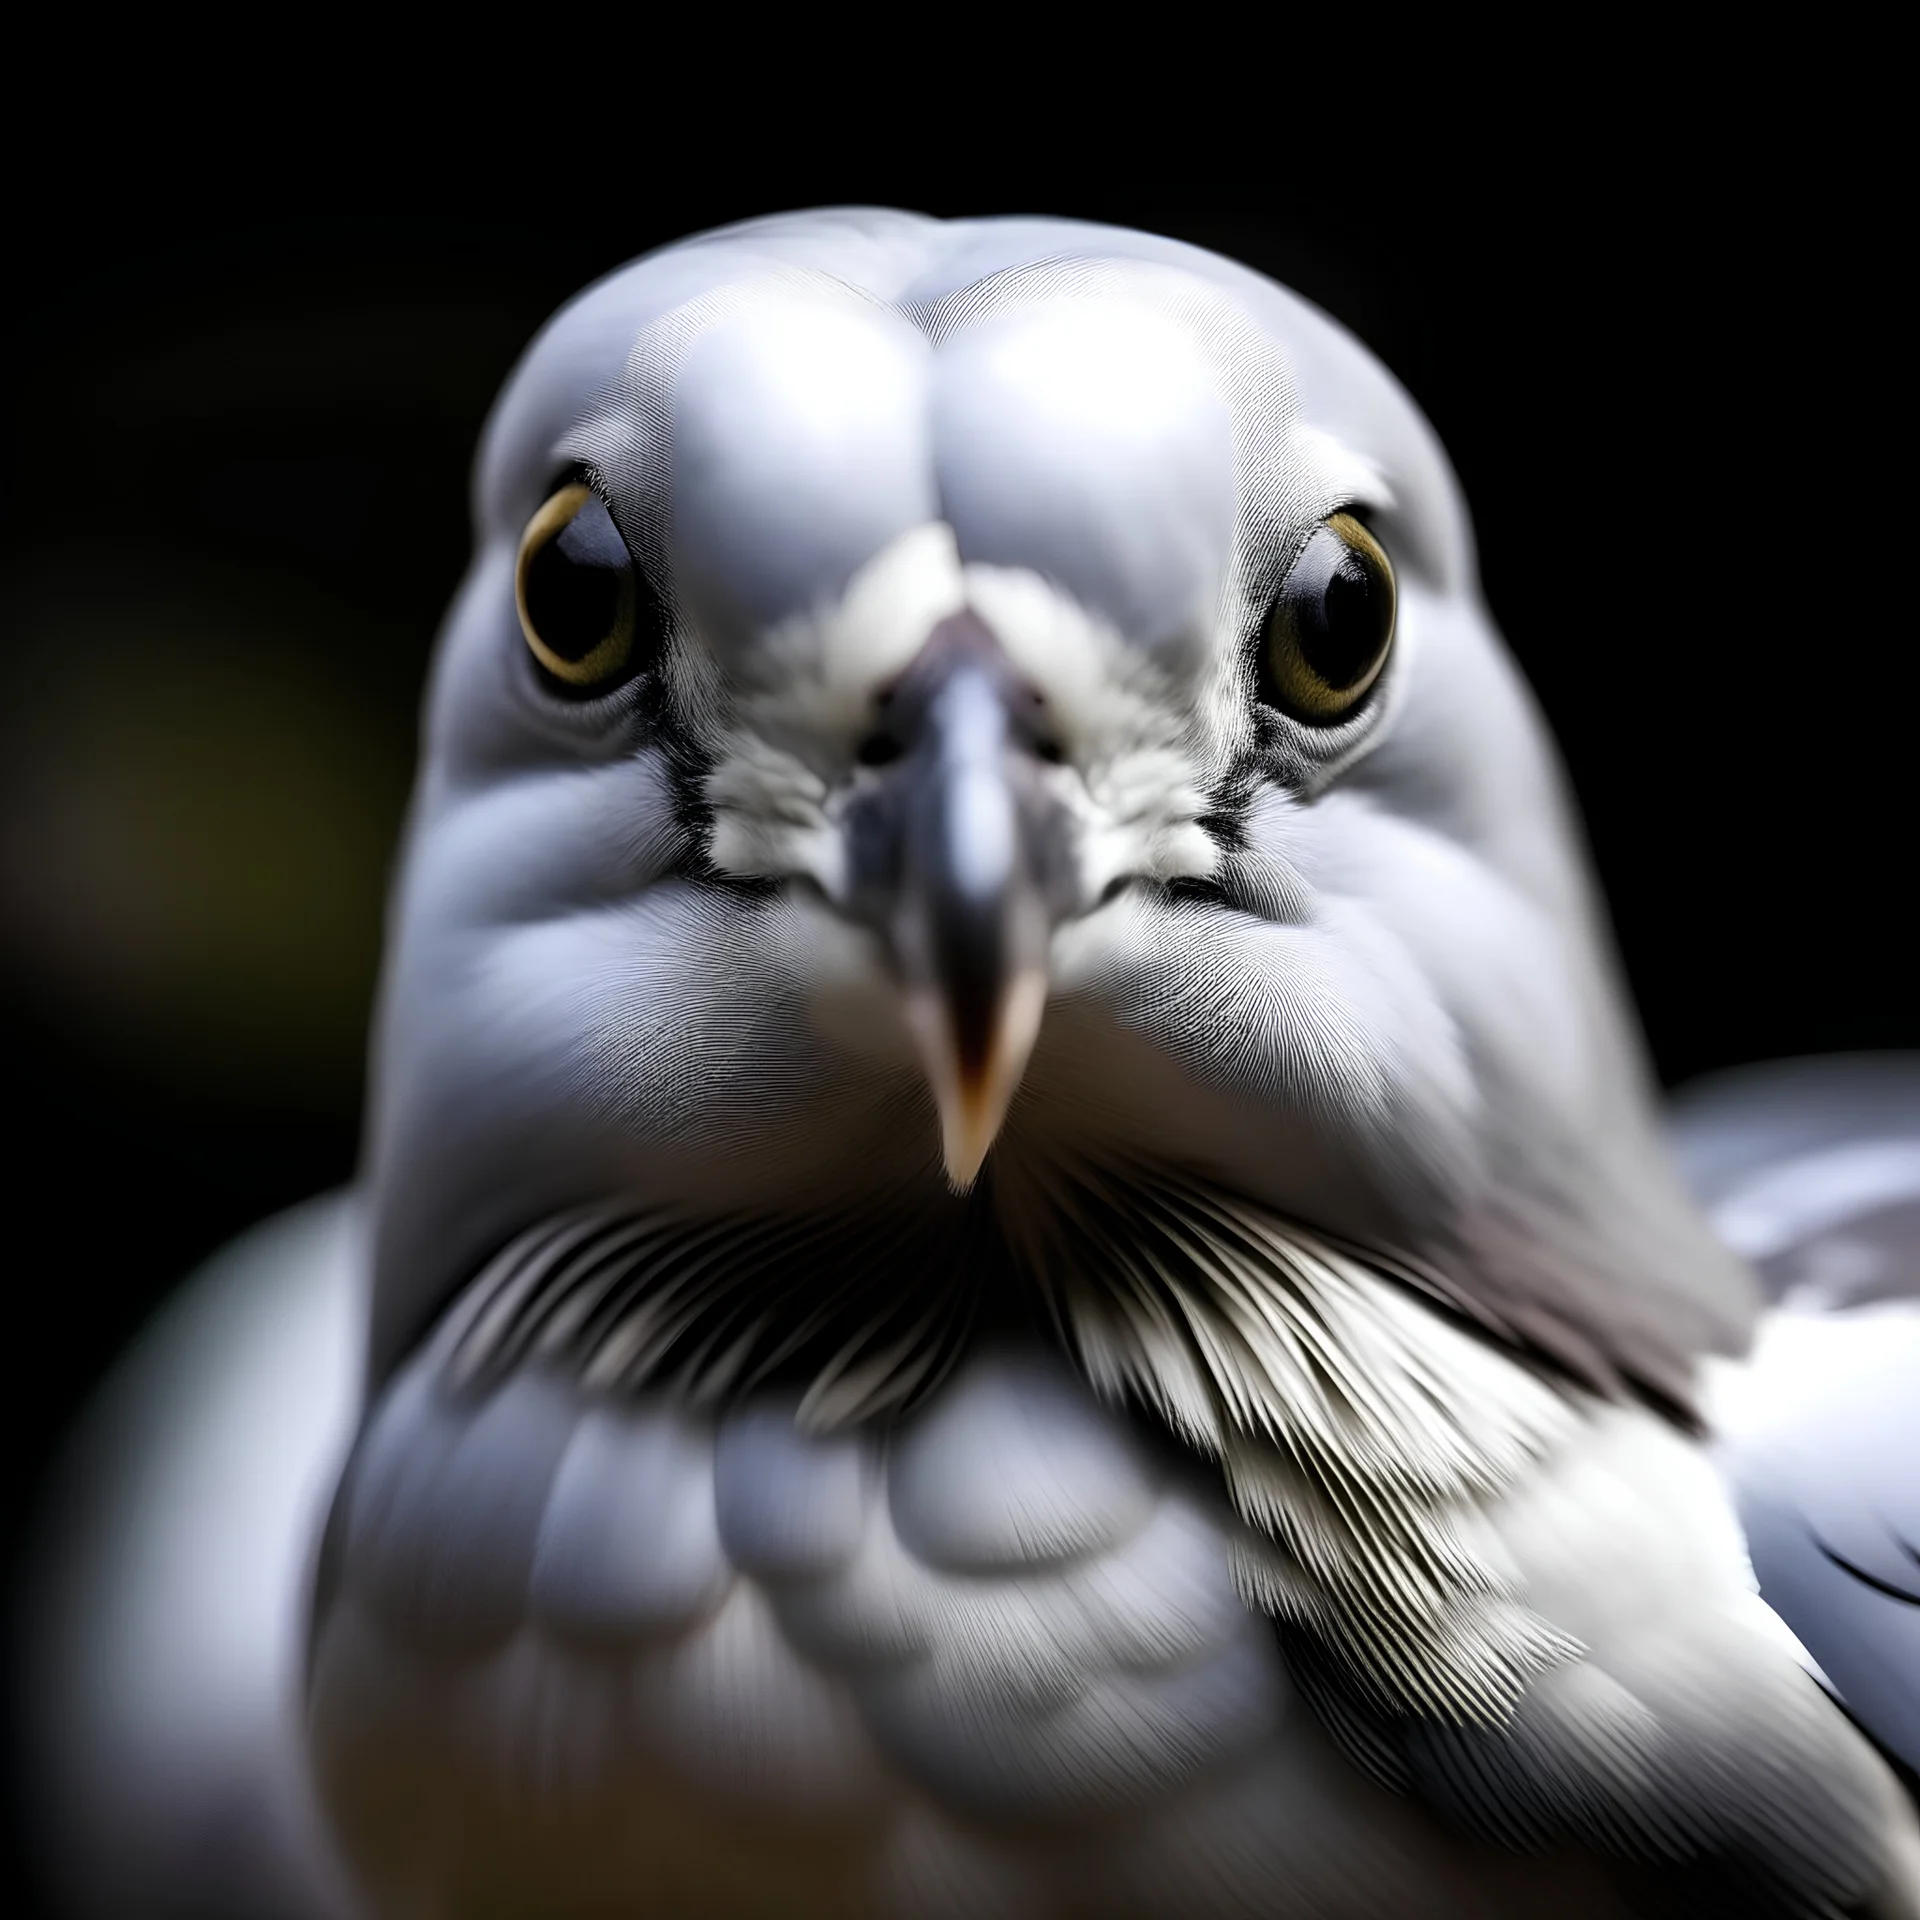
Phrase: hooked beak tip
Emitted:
{"points": [[966, 1134], [974, 1092]]}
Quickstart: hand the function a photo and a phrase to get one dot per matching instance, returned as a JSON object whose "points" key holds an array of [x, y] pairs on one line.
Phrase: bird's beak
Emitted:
{"points": [[965, 838]]}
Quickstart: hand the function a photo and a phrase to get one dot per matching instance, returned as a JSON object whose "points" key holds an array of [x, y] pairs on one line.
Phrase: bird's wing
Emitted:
{"points": [[160, 1650], [1812, 1170]]}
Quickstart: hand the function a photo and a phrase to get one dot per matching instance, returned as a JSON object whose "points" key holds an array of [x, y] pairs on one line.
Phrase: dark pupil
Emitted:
{"points": [[573, 583], [1343, 624]]}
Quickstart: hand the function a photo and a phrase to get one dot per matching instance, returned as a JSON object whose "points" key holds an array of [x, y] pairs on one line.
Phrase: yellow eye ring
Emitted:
{"points": [[1330, 631], [575, 589]]}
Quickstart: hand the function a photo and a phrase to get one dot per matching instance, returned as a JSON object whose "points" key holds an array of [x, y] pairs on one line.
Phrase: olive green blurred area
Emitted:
{"points": [[242, 509], [236, 510], [237, 455], [197, 831]]}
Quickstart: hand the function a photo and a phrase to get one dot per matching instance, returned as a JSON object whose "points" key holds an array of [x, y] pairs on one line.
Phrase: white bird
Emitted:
{"points": [[1017, 1252]]}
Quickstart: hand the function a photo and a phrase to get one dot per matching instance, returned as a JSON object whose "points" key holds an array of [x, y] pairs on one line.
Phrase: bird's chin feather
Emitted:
{"points": [[862, 1315]]}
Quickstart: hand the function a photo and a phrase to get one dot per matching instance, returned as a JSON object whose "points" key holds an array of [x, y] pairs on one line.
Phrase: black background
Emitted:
{"points": [[245, 385]]}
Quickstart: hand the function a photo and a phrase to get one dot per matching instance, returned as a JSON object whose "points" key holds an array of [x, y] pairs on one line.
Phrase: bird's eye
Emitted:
{"points": [[578, 596], [1330, 631]]}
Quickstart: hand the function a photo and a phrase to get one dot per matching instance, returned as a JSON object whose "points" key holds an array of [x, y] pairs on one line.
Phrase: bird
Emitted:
{"points": [[1015, 1253]]}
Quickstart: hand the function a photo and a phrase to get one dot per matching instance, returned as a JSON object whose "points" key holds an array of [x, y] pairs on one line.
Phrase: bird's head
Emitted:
{"points": [[948, 718]]}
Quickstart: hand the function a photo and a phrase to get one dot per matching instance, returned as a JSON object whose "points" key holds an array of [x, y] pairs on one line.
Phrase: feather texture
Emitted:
{"points": [[1002, 1645]]}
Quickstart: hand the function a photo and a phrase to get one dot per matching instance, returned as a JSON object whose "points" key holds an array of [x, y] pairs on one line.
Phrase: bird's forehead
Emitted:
{"points": [[776, 404], [1118, 425], [605, 378], [776, 359]]}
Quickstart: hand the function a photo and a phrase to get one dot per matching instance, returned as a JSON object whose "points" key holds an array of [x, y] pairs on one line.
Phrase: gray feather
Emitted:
{"points": [[629, 1542], [1813, 1168]]}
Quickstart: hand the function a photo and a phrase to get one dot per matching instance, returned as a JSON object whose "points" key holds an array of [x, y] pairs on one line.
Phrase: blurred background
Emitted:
{"points": [[238, 426]]}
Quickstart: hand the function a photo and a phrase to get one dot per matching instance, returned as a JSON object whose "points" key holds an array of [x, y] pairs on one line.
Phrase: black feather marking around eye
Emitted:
{"points": [[1268, 730], [688, 764], [1201, 892], [1227, 828], [1225, 820]]}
